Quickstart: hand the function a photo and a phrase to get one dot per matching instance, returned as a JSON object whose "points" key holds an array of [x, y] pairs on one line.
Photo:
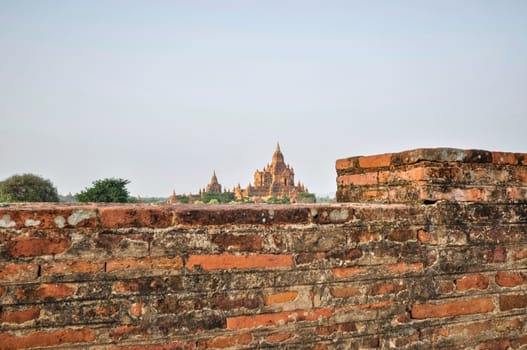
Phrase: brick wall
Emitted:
{"points": [[339, 276], [431, 174], [444, 275]]}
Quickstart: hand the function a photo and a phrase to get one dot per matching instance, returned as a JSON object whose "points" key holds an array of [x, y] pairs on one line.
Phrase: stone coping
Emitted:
{"points": [[432, 155], [101, 215]]}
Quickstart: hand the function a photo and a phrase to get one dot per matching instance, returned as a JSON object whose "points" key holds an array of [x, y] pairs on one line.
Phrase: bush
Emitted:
{"points": [[109, 190], [224, 197], [306, 197], [182, 198], [27, 188], [280, 200]]}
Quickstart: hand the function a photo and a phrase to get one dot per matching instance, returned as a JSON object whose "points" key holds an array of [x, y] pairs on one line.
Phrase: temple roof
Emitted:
{"points": [[213, 179], [278, 157]]}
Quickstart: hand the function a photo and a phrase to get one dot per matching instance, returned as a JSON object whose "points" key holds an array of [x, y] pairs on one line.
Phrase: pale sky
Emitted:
{"points": [[164, 92]]}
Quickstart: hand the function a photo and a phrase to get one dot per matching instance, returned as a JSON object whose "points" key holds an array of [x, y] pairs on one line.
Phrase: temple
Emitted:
{"points": [[212, 190], [213, 186], [276, 179]]}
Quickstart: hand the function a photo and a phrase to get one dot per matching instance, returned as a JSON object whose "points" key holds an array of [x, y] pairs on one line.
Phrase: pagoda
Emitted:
{"points": [[276, 179]]}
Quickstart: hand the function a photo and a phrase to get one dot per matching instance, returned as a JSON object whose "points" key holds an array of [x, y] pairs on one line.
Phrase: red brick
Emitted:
{"points": [[344, 292], [136, 310], [445, 287], [513, 301], [453, 308], [402, 318], [375, 195], [514, 193], [497, 255], [124, 331], [331, 329], [478, 281], [225, 302], [423, 236], [358, 179], [42, 339], [505, 325], [146, 263], [18, 272], [170, 346], [345, 163], [227, 342], [137, 216], [308, 258], [263, 320], [520, 175], [36, 246], [504, 158], [69, 267], [404, 267], [125, 287], [520, 254], [509, 279], [229, 261], [402, 235], [238, 242], [279, 337], [49, 291], [343, 272], [377, 161], [365, 237], [413, 175], [20, 316], [387, 288], [375, 305], [281, 297]]}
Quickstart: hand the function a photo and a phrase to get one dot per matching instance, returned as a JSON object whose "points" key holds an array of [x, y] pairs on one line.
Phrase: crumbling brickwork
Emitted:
{"points": [[432, 174], [443, 275]]}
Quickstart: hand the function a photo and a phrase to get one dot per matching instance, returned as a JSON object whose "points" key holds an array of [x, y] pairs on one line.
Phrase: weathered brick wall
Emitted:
{"points": [[443, 266], [431, 174], [344, 276]]}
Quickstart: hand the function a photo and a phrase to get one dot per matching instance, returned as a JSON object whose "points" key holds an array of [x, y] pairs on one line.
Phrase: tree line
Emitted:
{"points": [[34, 188]]}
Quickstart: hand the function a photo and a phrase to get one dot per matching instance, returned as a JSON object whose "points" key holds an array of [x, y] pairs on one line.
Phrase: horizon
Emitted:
{"points": [[162, 93]]}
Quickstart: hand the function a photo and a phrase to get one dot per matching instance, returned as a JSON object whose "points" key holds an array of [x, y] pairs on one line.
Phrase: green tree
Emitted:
{"points": [[27, 188], [182, 198], [306, 197], [106, 190], [278, 200], [224, 197]]}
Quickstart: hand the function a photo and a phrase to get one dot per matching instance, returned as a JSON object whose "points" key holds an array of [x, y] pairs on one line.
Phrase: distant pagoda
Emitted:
{"points": [[213, 189], [275, 180]]}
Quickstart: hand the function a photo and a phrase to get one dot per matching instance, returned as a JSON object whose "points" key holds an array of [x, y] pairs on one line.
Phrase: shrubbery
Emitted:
{"points": [[278, 200], [106, 191], [27, 188]]}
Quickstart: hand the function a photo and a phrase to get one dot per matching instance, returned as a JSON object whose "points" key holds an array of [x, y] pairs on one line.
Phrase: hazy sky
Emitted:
{"points": [[163, 92]]}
